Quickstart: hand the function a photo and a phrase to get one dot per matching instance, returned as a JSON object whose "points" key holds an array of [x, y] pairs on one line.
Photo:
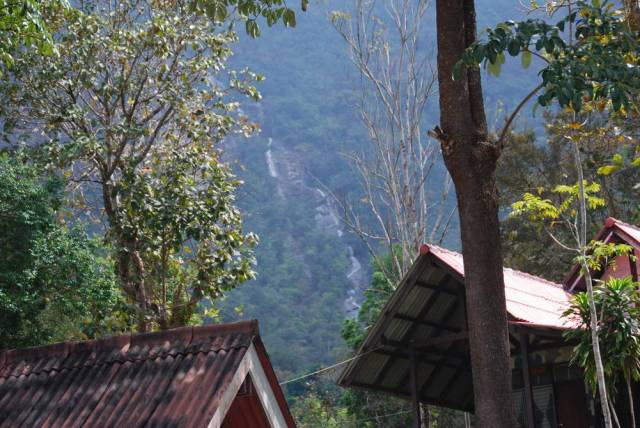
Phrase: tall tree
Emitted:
{"points": [[471, 160], [597, 61], [132, 110]]}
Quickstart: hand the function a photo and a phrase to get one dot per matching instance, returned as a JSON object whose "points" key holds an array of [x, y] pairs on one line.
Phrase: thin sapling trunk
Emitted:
{"points": [[593, 314]]}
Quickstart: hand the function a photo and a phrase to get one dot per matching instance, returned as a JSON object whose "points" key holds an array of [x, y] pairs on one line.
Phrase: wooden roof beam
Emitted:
{"points": [[422, 358], [444, 339], [432, 287], [429, 344], [431, 300], [426, 322]]}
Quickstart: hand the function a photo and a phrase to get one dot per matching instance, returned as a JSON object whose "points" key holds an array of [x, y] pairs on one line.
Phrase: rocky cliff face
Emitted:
{"points": [[311, 272], [292, 181]]}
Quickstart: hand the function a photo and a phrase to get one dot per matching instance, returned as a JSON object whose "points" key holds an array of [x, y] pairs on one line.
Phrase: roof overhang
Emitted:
{"points": [[425, 316], [425, 319]]}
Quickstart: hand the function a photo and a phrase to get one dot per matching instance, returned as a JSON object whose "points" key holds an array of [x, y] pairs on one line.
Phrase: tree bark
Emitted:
{"points": [[471, 161], [632, 8]]}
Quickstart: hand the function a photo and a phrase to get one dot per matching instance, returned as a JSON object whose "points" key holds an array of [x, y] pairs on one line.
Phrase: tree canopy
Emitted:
{"points": [[22, 26], [590, 54], [55, 282], [132, 110]]}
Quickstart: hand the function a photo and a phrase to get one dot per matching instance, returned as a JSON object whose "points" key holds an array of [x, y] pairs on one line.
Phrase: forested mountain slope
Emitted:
{"points": [[311, 270]]}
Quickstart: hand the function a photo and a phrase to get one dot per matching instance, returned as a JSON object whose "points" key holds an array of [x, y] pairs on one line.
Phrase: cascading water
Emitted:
{"points": [[327, 219], [291, 176], [273, 171], [356, 277]]}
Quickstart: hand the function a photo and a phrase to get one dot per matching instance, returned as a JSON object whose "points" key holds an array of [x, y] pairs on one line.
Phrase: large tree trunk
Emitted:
{"points": [[632, 8], [471, 161]]}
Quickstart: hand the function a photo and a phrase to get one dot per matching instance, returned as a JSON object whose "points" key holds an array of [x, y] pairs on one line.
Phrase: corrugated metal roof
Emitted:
{"points": [[529, 298], [428, 303], [629, 229], [427, 313], [170, 378]]}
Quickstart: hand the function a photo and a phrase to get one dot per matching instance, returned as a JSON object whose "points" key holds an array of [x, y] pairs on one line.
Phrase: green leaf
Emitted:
{"points": [[514, 47], [47, 49], [252, 28], [617, 159], [525, 59], [494, 68], [216, 11], [289, 18], [607, 169]]}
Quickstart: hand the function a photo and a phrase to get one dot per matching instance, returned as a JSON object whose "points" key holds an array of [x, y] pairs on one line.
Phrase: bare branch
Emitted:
{"points": [[402, 191]]}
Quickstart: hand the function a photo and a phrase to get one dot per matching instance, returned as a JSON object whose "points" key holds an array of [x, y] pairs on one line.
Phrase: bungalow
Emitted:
{"points": [[211, 376], [418, 347]]}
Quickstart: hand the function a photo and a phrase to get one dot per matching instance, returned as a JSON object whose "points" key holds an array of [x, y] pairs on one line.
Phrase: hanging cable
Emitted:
{"points": [[355, 357], [388, 415]]}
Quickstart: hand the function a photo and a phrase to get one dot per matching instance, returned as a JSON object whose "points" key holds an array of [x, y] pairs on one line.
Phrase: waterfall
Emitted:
{"points": [[355, 277], [355, 263], [273, 171], [292, 177]]}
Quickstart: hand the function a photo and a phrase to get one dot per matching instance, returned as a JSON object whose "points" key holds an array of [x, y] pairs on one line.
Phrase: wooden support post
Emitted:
{"points": [[633, 267], [526, 377], [413, 379]]}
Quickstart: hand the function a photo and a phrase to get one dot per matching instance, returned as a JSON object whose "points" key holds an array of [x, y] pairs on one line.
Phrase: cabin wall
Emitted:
{"points": [[560, 397], [620, 268], [246, 409]]}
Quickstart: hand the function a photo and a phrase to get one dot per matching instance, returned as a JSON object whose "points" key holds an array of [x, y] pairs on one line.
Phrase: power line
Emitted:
{"points": [[388, 415], [355, 357]]}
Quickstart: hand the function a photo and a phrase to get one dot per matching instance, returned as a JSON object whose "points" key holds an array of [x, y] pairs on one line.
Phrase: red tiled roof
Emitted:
{"points": [[170, 378], [529, 298]]}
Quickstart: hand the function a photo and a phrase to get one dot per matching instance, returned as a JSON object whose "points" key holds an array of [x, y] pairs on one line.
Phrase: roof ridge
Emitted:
{"points": [[131, 359], [536, 277], [124, 342], [439, 247], [527, 274], [612, 221]]}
